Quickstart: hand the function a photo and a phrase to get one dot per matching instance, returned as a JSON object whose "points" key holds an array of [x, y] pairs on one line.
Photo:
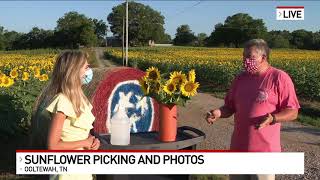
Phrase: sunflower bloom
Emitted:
{"points": [[189, 88], [2, 75], [1, 83], [192, 75], [14, 73], [11, 82], [30, 68], [177, 78], [155, 86], [169, 88], [45, 77], [25, 76], [144, 85], [37, 73], [153, 73], [7, 82], [40, 78]]}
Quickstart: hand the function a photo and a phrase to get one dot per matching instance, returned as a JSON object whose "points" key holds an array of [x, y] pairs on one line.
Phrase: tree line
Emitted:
{"points": [[74, 30], [239, 28]]}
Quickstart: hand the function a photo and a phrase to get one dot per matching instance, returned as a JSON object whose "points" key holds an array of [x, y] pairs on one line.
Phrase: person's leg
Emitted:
{"points": [[263, 177]]}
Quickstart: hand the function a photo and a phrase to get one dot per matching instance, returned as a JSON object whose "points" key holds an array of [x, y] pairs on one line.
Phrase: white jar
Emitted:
{"points": [[120, 128]]}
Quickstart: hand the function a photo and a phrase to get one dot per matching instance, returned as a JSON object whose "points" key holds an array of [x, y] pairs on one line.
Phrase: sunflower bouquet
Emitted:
{"points": [[177, 88]]}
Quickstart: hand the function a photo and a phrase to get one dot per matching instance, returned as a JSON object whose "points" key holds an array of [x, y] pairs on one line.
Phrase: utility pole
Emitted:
{"points": [[127, 31], [123, 63]]}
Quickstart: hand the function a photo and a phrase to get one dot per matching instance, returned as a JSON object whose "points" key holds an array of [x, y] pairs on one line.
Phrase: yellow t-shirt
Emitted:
{"points": [[74, 128]]}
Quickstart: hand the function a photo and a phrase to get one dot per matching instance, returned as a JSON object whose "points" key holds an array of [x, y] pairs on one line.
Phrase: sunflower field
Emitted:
{"points": [[22, 76], [220, 65]]}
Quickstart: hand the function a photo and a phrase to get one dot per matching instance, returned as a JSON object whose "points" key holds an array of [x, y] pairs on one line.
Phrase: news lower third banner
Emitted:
{"points": [[157, 162]]}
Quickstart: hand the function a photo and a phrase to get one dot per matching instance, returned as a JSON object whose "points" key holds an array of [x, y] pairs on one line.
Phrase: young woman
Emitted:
{"points": [[70, 109]]}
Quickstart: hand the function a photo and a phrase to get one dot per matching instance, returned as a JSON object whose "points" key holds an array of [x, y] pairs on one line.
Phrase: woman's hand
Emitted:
{"points": [[95, 144], [88, 142]]}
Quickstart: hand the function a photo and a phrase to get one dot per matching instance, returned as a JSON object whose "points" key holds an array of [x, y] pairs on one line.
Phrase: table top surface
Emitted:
{"points": [[186, 137]]}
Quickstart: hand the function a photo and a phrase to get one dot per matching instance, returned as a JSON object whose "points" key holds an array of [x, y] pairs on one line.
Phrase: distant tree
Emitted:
{"points": [[2, 39], [302, 39], [100, 29], [279, 39], [35, 39], [22, 42], [74, 29], [217, 37], [316, 40], [10, 37], [184, 36], [201, 39], [236, 30], [145, 23], [165, 39], [40, 38]]}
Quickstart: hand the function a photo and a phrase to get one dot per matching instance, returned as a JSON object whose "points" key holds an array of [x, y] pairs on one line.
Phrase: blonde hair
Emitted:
{"points": [[66, 79]]}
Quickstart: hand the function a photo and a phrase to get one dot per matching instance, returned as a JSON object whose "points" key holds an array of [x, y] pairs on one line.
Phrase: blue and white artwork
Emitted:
{"points": [[140, 109]]}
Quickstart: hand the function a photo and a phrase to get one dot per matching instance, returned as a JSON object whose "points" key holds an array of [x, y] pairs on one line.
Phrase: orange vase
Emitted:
{"points": [[168, 122]]}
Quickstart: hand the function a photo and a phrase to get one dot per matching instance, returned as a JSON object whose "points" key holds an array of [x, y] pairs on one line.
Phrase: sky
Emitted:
{"points": [[201, 16]]}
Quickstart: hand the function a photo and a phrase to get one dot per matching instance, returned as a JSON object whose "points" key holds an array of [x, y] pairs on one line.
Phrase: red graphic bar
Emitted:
{"points": [[122, 151], [290, 7]]}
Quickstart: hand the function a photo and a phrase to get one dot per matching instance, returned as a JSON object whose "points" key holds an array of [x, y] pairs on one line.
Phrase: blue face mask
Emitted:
{"points": [[87, 76]]}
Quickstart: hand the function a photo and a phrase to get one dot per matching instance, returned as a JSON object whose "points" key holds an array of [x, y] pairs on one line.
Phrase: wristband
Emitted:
{"points": [[274, 120]]}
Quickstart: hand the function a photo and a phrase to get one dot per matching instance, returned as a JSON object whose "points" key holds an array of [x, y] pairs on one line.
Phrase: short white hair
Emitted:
{"points": [[260, 45]]}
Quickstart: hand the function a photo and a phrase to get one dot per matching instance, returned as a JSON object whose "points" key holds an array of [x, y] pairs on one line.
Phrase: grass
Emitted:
{"points": [[33, 51], [209, 177], [309, 113]]}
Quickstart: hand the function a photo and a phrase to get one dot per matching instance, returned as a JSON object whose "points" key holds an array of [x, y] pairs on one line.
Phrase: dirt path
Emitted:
{"points": [[294, 136], [101, 58]]}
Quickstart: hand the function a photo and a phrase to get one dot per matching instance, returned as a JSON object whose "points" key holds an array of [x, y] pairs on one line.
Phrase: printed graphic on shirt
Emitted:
{"points": [[263, 96]]}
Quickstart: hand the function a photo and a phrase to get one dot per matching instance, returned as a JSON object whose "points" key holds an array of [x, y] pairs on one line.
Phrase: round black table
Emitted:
{"points": [[187, 139]]}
